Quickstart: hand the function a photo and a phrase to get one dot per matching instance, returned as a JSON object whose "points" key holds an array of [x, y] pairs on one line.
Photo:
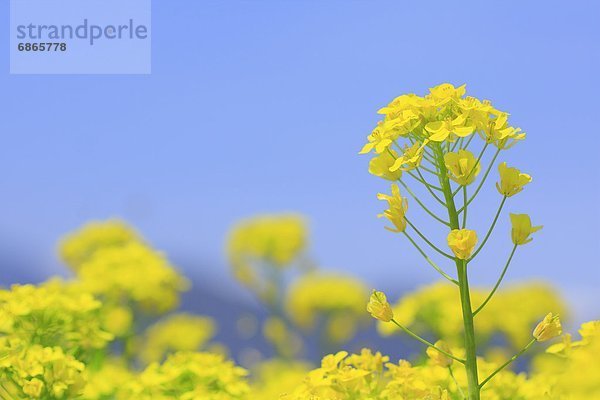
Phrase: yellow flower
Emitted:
{"points": [[379, 140], [379, 307], [445, 92], [521, 228], [511, 180], [463, 166], [332, 301], [462, 242], [77, 247], [397, 209], [411, 157], [438, 358], [441, 130], [331, 361], [276, 239], [177, 332], [548, 328], [33, 387], [382, 166], [498, 131]]}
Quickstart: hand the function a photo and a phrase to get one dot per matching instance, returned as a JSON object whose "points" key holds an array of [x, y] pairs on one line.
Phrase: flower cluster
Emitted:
{"points": [[46, 332], [189, 376], [177, 332], [261, 247], [52, 314], [77, 247], [369, 375], [335, 299]]}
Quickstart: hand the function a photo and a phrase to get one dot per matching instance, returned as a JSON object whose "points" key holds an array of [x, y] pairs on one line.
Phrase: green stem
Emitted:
{"points": [[434, 265], [426, 342], [414, 196], [462, 394], [422, 180], [487, 172], [464, 221], [433, 246], [468, 141], [506, 364], [489, 297], [463, 283], [489, 232]]}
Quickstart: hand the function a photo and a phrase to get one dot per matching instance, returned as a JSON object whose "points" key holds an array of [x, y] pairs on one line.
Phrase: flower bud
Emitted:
{"points": [[548, 328], [462, 242], [437, 357], [379, 307], [521, 228]]}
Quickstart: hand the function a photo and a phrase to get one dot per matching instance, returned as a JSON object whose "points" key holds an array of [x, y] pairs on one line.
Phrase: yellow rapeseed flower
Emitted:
{"points": [[548, 328], [438, 358], [397, 209], [511, 180], [382, 166], [463, 166], [522, 229], [411, 157], [332, 298], [442, 130], [177, 332], [379, 307], [78, 246], [499, 132], [462, 242]]}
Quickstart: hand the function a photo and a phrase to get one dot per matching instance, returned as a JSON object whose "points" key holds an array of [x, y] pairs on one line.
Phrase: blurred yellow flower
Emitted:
{"points": [[177, 332], [188, 376], [511, 180], [329, 297], [78, 246], [438, 358], [277, 239], [522, 229], [134, 272], [462, 242]]}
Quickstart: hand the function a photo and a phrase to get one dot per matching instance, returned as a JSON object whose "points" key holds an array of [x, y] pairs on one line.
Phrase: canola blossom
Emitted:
{"points": [[434, 137]]}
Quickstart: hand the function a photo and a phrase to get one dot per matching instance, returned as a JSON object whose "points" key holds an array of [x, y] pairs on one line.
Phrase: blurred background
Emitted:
{"points": [[262, 106]]}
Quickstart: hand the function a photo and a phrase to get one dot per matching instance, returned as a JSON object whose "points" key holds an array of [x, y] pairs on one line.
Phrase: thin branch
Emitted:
{"points": [[468, 141], [433, 246], [482, 181], [462, 394], [434, 265], [464, 220], [489, 230], [414, 196], [427, 343], [423, 181], [512, 253], [513, 358]]}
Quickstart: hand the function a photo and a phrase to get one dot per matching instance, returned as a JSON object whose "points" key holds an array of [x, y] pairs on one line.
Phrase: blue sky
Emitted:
{"points": [[262, 106]]}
